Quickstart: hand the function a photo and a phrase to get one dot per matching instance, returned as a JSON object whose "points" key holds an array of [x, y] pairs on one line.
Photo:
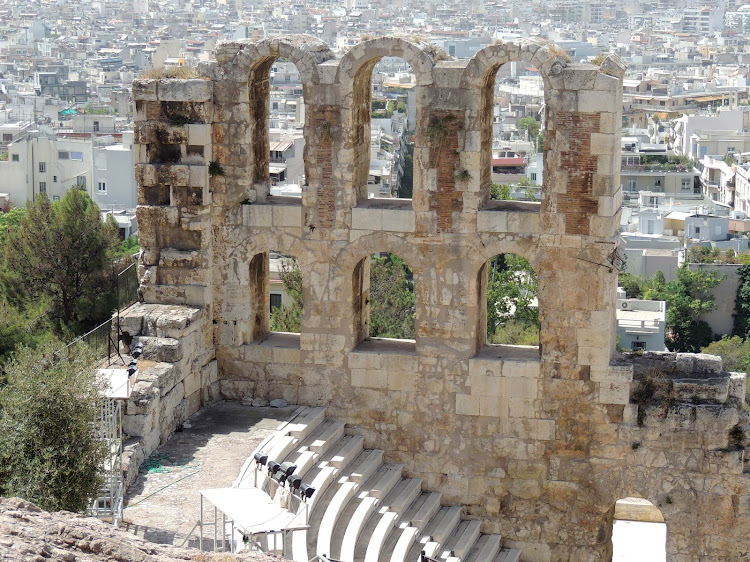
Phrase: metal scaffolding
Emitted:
{"points": [[115, 388]]}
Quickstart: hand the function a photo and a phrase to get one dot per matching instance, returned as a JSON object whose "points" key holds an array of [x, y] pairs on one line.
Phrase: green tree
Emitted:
{"points": [[391, 298], [129, 246], [406, 187], [511, 292], [28, 327], [741, 314], [531, 125], [500, 191], [634, 285], [49, 451], [289, 318], [10, 220], [687, 297], [63, 252]]}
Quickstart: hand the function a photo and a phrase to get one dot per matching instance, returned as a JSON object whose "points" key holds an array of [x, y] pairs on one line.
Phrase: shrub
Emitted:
{"points": [[49, 451]]}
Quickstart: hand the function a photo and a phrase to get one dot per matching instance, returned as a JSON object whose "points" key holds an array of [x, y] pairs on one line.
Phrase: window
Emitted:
{"points": [[7, 137], [638, 346], [275, 300], [685, 184], [631, 185], [509, 285], [533, 176], [42, 167], [96, 126], [102, 187], [14, 157], [42, 187], [76, 156], [54, 179], [63, 155], [55, 198], [730, 149], [81, 181]]}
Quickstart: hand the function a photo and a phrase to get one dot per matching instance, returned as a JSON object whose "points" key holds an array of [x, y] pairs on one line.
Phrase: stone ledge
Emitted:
{"points": [[159, 320], [500, 219], [387, 219], [194, 89]]}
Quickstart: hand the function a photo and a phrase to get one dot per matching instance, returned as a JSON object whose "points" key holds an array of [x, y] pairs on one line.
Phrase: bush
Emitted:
{"points": [[734, 352], [516, 333], [49, 451]]}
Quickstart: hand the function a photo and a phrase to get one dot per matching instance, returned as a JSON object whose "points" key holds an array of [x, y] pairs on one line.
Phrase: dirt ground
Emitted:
{"points": [[163, 504]]}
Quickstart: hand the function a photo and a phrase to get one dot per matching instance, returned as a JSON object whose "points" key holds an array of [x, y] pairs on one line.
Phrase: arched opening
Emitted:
{"points": [[284, 293], [639, 533], [277, 108], [384, 303], [385, 114], [512, 312], [392, 118], [275, 284], [516, 163]]}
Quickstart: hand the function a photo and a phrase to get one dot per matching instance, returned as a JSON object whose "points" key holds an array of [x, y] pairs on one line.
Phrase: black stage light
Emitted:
{"points": [[273, 467], [306, 490], [137, 351], [288, 467], [279, 476], [260, 458], [294, 481]]}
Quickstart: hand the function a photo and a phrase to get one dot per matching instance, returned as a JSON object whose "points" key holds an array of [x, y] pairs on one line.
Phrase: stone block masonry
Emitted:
{"points": [[538, 443]]}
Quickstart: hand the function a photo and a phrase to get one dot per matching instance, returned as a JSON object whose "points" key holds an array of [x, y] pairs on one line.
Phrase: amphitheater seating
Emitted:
{"points": [[364, 510]]}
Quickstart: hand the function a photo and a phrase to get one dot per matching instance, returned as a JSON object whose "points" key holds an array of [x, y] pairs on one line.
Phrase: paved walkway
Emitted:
{"points": [[163, 504]]}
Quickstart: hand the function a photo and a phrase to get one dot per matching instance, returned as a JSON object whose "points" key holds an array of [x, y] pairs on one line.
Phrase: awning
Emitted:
{"points": [[280, 146], [251, 510]]}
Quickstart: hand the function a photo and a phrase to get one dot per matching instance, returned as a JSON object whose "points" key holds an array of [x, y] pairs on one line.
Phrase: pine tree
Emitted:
{"points": [[62, 252]]}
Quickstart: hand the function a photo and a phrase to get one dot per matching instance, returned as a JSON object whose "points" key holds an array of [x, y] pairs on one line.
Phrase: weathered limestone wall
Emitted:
{"points": [[177, 375], [539, 443]]}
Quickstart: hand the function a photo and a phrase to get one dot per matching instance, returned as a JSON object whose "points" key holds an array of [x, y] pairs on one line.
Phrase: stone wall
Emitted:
{"points": [[537, 442], [177, 375]]}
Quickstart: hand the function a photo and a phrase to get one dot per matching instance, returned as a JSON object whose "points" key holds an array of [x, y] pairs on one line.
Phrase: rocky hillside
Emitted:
{"points": [[29, 534]]}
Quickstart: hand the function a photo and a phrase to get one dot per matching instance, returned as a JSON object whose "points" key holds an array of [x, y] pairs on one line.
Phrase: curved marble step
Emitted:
{"points": [[363, 510]]}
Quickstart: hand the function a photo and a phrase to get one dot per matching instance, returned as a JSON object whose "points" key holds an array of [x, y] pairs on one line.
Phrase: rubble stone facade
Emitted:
{"points": [[539, 444]]}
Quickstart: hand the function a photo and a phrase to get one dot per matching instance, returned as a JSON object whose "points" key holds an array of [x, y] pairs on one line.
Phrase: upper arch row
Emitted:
{"points": [[316, 63]]}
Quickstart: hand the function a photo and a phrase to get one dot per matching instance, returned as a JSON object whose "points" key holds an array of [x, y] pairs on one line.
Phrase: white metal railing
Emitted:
{"points": [[644, 325]]}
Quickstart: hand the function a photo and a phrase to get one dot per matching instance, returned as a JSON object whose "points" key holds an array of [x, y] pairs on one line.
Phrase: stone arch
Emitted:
{"points": [[354, 75], [479, 78], [253, 62], [379, 242], [305, 51], [518, 247], [364, 56], [637, 508], [248, 277], [354, 266]]}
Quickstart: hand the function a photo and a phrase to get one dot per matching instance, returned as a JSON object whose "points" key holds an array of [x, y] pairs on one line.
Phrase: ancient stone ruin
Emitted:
{"points": [[536, 444]]}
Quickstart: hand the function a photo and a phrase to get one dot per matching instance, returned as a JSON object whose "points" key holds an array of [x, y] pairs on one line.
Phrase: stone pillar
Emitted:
{"points": [[173, 162]]}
